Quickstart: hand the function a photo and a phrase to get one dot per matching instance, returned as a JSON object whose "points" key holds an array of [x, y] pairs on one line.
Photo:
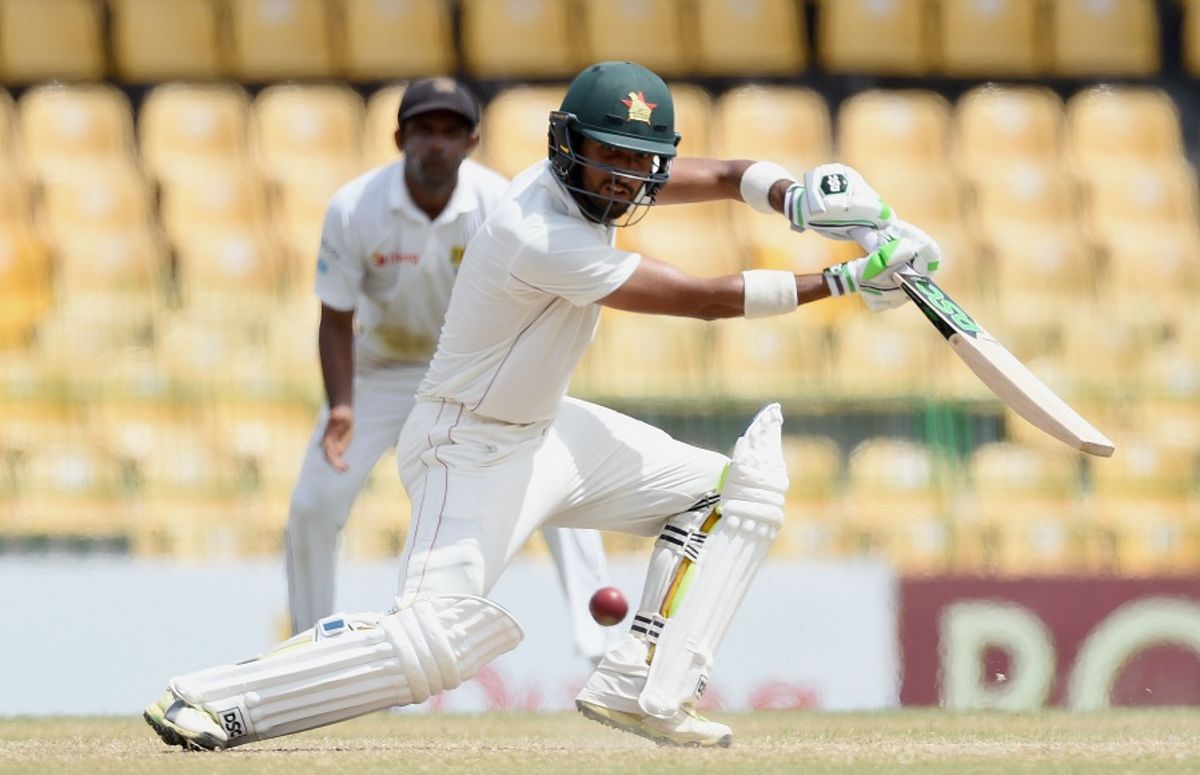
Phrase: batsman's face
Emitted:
{"points": [[606, 184], [434, 145]]}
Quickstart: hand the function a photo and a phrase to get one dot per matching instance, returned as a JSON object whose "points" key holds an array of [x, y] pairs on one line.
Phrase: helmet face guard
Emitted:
{"points": [[605, 209]]}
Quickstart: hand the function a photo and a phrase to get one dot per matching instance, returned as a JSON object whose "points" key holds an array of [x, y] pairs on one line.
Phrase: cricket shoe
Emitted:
{"points": [[178, 722], [685, 728]]}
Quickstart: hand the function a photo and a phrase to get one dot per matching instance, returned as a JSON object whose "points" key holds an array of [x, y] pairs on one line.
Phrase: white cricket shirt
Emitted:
{"points": [[523, 309], [382, 257]]}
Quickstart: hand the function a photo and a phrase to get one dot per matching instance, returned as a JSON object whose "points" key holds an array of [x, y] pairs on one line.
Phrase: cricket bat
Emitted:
{"points": [[996, 367]]}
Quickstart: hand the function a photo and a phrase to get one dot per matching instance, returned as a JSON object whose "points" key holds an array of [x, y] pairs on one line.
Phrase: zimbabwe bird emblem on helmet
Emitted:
{"points": [[639, 109]]}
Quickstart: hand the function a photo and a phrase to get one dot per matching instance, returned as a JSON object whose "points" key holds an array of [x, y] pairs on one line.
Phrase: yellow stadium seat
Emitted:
{"points": [[397, 38], [1191, 36], [886, 354], [1038, 261], [771, 244], [849, 31], [277, 39], [8, 125], [71, 489], [221, 198], [1128, 196], [515, 124], [920, 193], [519, 38], [766, 37], [96, 197], [990, 38], [112, 276], [25, 285], [1114, 37], [1114, 124], [877, 125], [266, 439], [185, 127], [693, 119], [42, 40], [62, 126], [233, 273], [299, 215], [157, 41], [16, 206], [770, 359], [788, 125], [1022, 515], [648, 356], [649, 32], [814, 478], [379, 132], [994, 125], [1024, 193], [166, 448], [892, 506], [1090, 338], [696, 238], [298, 131], [1146, 468], [211, 356], [1148, 537]]}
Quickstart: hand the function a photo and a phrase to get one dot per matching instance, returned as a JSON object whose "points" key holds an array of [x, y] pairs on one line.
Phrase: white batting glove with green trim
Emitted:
{"points": [[833, 201], [873, 276]]}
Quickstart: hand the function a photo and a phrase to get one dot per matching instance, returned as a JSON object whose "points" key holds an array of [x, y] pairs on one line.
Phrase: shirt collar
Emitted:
{"points": [[461, 201], [559, 192]]}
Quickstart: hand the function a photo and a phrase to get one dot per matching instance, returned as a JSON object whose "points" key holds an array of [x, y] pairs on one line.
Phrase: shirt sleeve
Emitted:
{"points": [[339, 266], [574, 264]]}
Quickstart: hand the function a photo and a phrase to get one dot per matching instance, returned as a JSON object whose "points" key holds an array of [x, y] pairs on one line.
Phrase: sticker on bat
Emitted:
{"points": [[938, 299]]}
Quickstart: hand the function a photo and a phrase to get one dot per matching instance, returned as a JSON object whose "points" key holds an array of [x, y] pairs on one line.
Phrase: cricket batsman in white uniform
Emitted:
{"points": [[391, 246], [495, 450]]}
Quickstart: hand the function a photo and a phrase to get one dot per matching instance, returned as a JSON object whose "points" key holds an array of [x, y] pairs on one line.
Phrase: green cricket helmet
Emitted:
{"points": [[623, 105]]}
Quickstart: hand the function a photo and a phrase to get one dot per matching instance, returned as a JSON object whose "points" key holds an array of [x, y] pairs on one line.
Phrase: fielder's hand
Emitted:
{"points": [[898, 246], [339, 429], [835, 200]]}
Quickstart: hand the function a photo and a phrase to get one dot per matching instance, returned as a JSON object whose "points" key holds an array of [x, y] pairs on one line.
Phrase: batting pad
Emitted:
{"points": [[349, 665], [751, 516]]}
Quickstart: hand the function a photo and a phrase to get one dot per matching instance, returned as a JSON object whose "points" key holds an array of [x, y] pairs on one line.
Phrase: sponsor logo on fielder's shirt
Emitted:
{"points": [[639, 109], [386, 259]]}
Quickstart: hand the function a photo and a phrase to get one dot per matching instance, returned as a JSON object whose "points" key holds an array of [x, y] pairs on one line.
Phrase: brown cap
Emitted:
{"points": [[429, 94]]}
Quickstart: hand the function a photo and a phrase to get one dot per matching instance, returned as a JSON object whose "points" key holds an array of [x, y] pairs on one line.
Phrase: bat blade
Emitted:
{"points": [[1011, 381]]}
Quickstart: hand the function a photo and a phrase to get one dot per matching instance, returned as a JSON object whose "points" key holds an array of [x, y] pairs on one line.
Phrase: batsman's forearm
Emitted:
{"points": [[335, 343], [811, 287]]}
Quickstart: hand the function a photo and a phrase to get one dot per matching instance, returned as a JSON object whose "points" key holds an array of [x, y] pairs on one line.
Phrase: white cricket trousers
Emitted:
{"points": [[323, 498], [480, 487]]}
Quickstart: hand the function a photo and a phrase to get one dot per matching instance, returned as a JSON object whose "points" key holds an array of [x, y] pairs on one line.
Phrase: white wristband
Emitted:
{"points": [[757, 181], [769, 292]]}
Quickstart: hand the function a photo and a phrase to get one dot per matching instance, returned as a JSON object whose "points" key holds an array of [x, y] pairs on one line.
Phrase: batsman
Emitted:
{"points": [[494, 448]]}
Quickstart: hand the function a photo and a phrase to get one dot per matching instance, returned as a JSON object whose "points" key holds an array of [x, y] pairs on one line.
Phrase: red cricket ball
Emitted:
{"points": [[608, 606]]}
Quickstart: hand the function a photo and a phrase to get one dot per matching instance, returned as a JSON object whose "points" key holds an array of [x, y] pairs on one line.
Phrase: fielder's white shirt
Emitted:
{"points": [[382, 257], [523, 309]]}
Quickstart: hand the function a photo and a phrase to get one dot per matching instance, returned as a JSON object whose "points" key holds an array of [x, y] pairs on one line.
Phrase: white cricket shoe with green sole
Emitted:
{"points": [[181, 723]]}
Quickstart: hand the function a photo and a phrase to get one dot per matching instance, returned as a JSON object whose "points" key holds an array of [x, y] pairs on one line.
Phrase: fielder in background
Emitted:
{"points": [[391, 246], [494, 449]]}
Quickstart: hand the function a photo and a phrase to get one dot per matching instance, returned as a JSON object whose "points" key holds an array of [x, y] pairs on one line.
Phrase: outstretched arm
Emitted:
{"points": [[706, 180]]}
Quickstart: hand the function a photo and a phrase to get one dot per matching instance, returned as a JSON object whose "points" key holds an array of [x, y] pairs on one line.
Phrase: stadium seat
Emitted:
{"points": [[1106, 125], [218, 199], [1113, 37], [95, 198], [229, 275], [771, 244], [1142, 196], [267, 441], [849, 31], [303, 131], [1022, 514], [204, 354], [923, 193], [299, 215], [648, 357], [1191, 36], [770, 359], [498, 38], [1024, 193], [990, 38], [695, 238], [788, 125], [63, 126], [156, 41], [185, 127], [24, 284], [277, 39], [379, 131], [42, 40], [70, 489], [1037, 263], [890, 353], [766, 37], [882, 126], [693, 119], [16, 205], [994, 125], [1141, 537], [1147, 467], [649, 32], [514, 127], [8, 126], [114, 276], [814, 480], [892, 507], [397, 38]]}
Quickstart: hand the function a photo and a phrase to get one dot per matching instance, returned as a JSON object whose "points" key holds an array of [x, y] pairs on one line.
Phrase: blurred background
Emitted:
{"points": [[165, 165]]}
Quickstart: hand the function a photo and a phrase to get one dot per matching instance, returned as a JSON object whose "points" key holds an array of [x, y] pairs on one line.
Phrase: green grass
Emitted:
{"points": [[911, 741]]}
